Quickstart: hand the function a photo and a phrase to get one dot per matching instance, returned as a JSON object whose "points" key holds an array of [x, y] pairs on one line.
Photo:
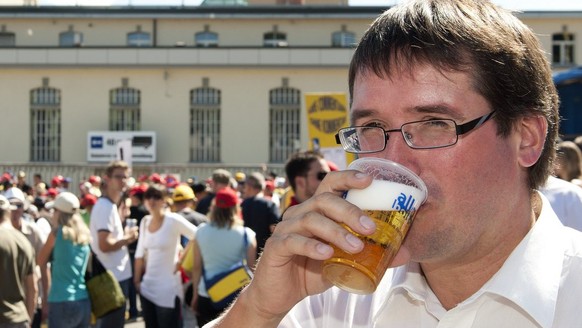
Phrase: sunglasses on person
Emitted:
{"points": [[320, 175], [153, 197]]}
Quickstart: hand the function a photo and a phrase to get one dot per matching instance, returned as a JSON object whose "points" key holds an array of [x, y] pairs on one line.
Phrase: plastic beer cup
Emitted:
{"points": [[391, 201]]}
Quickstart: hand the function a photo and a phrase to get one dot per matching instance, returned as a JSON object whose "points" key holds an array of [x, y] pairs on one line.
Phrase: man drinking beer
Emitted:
{"points": [[460, 92]]}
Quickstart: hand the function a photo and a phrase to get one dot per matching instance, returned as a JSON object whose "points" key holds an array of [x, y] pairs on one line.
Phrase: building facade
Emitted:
{"points": [[218, 86]]}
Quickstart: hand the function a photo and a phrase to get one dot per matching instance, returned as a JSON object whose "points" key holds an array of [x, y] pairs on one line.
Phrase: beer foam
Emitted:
{"points": [[381, 195]]}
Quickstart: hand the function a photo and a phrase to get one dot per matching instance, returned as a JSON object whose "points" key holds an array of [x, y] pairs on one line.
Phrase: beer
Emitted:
{"points": [[392, 207]]}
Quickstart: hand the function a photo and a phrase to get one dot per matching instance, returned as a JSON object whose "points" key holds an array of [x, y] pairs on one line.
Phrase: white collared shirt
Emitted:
{"points": [[539, 285]]}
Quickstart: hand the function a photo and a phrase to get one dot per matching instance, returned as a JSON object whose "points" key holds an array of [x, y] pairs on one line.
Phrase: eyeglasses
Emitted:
{"points": [[120, 176], [320, 175], [153, 197], [426, 134]]}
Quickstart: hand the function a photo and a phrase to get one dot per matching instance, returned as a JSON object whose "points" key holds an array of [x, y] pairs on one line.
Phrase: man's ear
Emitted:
{"points": [[532, 131], [299, 182]]}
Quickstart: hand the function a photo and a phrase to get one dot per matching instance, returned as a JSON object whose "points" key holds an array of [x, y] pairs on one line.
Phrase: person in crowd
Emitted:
{"points": [[486, 249], [220, 180], [568, 164], [183, 199], [95, 187], [108, 238], [566, 200], [138, 211], [65, 298], [87, 202], [269, 193], [240, 179], [18, 292], [217, 246], [200, 191], [183, 203], [22, 185], [26, 225], [304, 170], [157, 254], [258, 213], [38, 185]]}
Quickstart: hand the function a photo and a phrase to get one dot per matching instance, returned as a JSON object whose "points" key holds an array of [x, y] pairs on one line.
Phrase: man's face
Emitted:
{"points": [[16, 213], [312, 179], [470, 184], [118, 180]]}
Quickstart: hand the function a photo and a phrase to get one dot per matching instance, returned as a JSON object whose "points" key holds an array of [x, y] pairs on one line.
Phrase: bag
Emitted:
{"points": [[225, 286], [104, 290]]}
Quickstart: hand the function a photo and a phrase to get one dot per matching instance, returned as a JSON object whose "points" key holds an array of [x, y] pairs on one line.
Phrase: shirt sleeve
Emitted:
{"points": [[274, 215], [184, 227], [103, 218]]}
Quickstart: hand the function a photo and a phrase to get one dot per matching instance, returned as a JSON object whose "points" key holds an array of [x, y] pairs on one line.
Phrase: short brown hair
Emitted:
{"points": [[504, 57]]}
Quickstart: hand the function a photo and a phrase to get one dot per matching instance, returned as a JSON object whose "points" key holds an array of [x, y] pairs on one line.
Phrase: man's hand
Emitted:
{"points": [[291, 264]]}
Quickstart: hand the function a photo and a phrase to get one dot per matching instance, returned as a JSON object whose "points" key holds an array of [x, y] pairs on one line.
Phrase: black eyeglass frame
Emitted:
{"points": [[459, 129]]}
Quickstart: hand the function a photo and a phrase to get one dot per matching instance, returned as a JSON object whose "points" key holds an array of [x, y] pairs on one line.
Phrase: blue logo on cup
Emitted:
{"points": [[404, 203]]}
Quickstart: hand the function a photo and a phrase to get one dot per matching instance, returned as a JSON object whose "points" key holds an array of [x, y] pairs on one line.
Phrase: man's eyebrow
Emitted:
{"points": [[424, 109], [439, 109], [362, 113]]}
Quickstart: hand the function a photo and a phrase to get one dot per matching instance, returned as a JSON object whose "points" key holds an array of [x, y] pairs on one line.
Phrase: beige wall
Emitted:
{"points": [[164, 109], [244, 77]]}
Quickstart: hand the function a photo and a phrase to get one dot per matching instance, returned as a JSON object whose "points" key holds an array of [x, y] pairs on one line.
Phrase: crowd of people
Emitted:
{"points": [[142, 232], [459, 91]]}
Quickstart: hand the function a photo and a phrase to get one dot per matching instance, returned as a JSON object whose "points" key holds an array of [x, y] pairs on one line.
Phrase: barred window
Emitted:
{"points": [[124, 111], [284, 132], [563, 49], [205, 125], [343, 38], [45, 121]]}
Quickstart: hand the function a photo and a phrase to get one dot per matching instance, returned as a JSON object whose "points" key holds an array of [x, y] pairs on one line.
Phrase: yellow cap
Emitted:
{"points": [[240, 177], [182, 192]]}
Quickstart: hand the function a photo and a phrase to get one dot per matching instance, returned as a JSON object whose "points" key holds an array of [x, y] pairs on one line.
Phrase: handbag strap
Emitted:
{"points": [[244, 257]]}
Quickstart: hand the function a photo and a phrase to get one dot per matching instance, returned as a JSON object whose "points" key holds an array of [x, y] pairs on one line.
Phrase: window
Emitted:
{"points": [[70, 38], [275, 39], [206, 39], [205, 124], [139, 38], [124, 111], [284, 131], [45, 121], [563, 48], [343, 38], [7, 39]]}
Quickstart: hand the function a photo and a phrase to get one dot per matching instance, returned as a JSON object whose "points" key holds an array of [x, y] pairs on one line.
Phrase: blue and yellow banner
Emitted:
{"points": [[326, 114]]}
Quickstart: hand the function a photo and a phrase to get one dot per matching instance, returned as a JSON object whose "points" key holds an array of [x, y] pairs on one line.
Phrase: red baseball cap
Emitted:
{"points": [[226, 198]]}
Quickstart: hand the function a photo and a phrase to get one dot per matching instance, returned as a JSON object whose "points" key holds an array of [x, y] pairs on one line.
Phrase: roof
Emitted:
{"points": [[321, 11]]}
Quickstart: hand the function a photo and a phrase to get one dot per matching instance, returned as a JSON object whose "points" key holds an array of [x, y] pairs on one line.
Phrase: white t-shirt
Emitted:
{"points": [[539, 285], [160, 284], [105, 217], [566, 200]]}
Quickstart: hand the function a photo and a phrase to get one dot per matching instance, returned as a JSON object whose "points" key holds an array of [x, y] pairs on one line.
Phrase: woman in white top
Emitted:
{"points": [[219, 245], [157, 253]]}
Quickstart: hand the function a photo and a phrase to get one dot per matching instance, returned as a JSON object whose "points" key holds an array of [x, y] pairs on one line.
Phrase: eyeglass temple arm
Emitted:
{"points": [[464, 128]]}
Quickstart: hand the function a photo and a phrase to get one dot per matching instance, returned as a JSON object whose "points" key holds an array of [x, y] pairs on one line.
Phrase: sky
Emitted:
{"points": [[510, 4]]}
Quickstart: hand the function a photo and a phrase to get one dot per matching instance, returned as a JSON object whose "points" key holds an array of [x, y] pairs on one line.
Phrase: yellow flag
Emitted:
{"points": [[326, 114]]}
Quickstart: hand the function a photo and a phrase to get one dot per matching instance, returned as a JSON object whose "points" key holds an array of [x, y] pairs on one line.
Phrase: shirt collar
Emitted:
{"points": [[530, 277]]}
